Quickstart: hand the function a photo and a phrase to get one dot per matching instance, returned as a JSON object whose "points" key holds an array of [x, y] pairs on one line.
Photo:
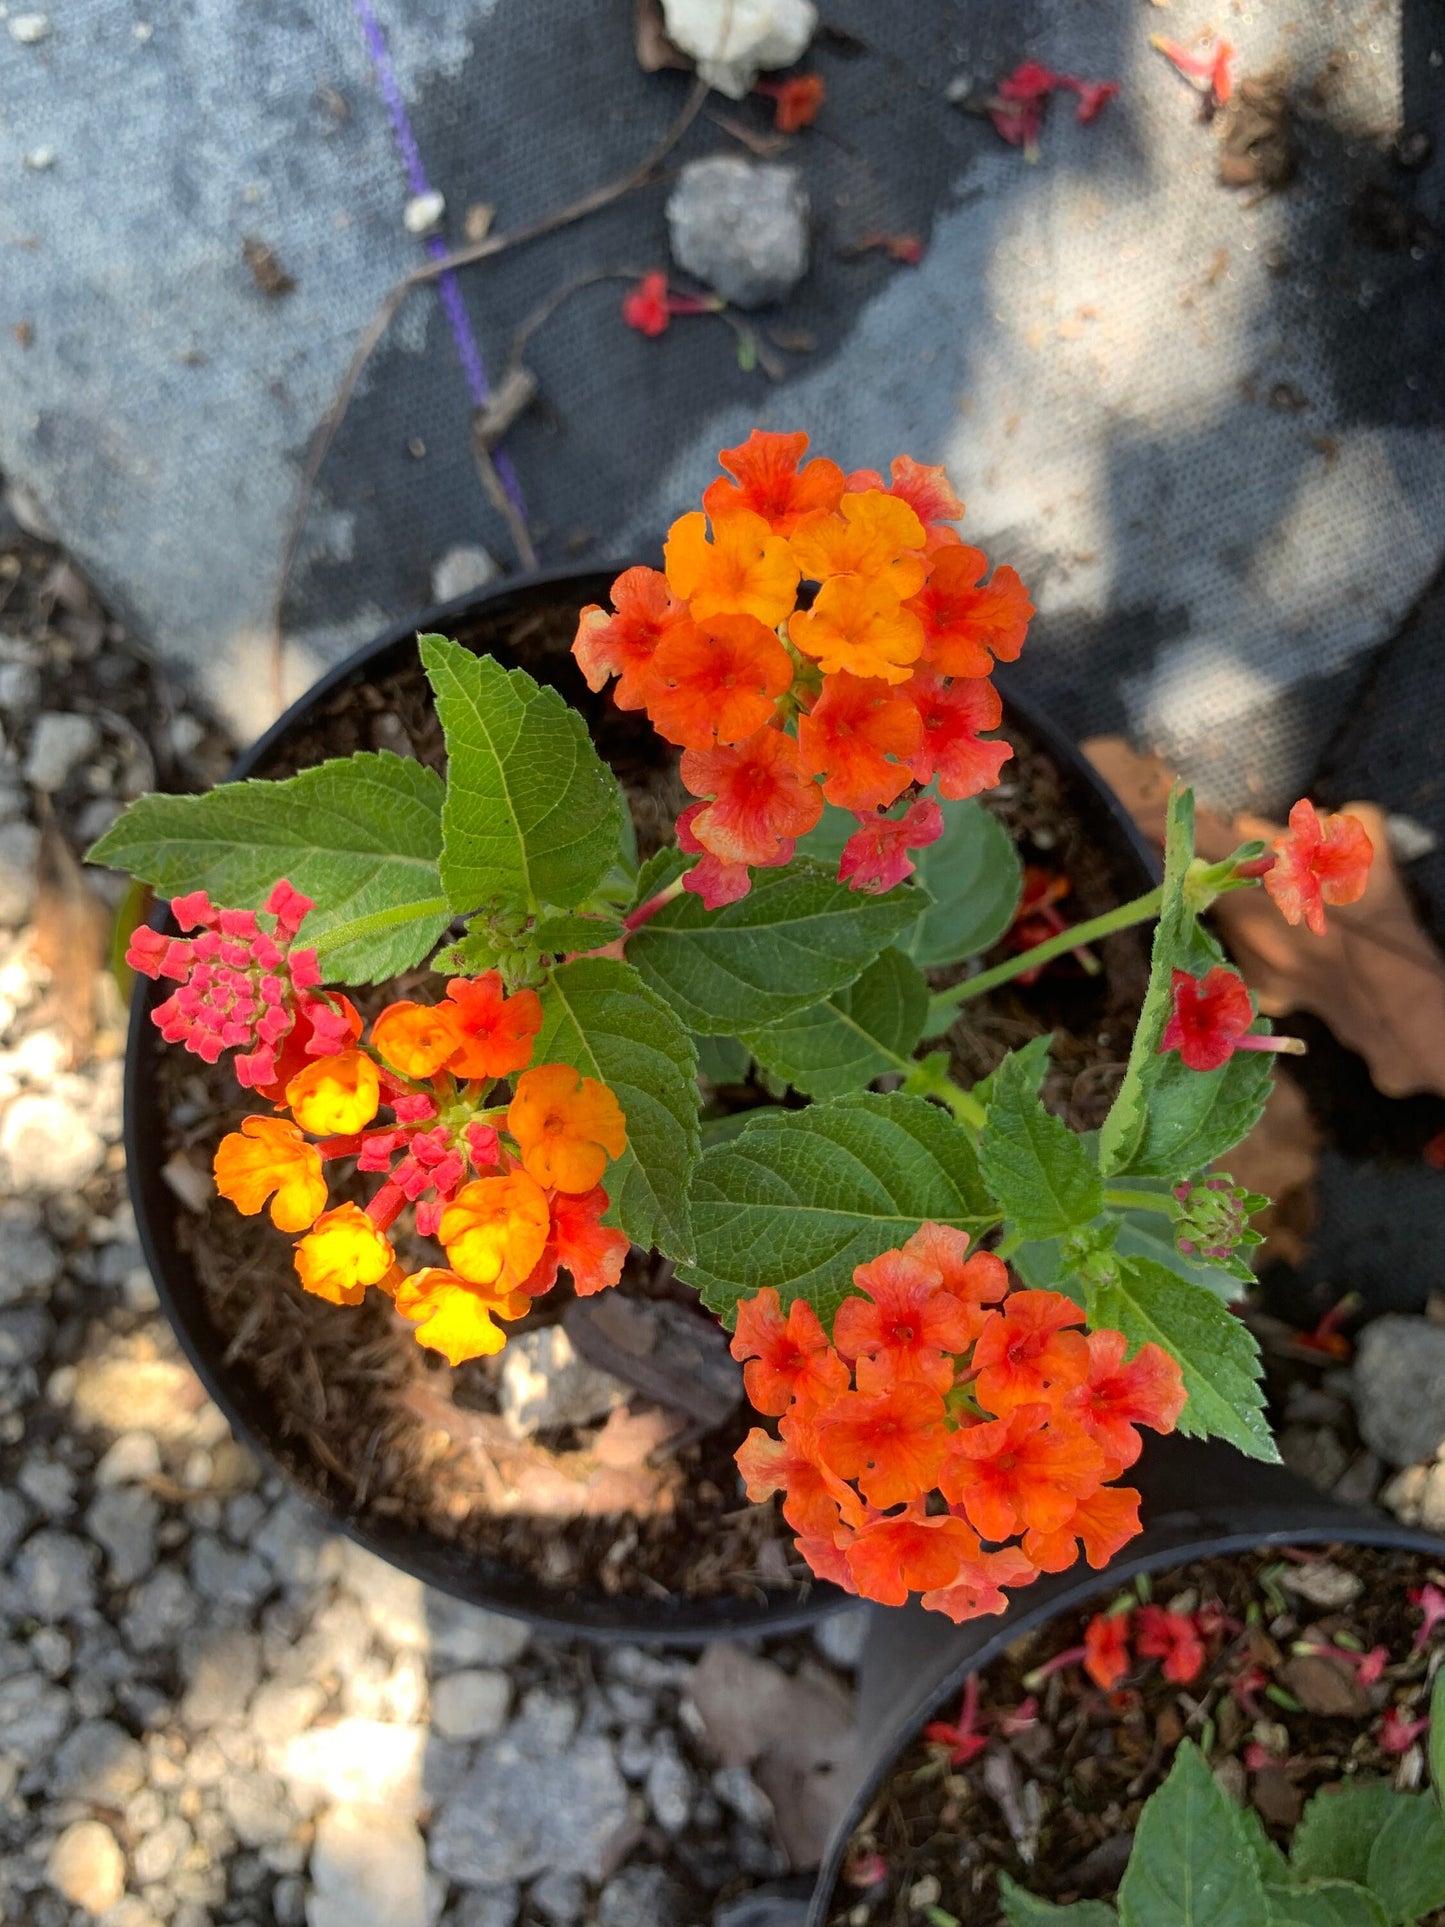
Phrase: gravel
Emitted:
{"points": [[1399, 1384], [742, 227]]}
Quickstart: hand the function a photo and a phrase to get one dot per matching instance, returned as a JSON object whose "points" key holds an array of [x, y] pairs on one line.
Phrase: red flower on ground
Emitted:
{"points": [[1208, 73], [1398, 1734], [966, 624], [893, 1445], [1017, 1472], [875, 858], [1318, 860], [952, 715], [1106, 1649], [906, 1329], [1172, 1638], [759, 795], [796, 101], [650, 305], [1116, 1397], [849, 735], [788, 1358], [1029, 1353], [1017, 111], [770, 483]]}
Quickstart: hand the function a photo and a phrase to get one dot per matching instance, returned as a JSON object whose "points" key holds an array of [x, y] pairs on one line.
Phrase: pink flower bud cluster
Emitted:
{"points": [[241, 987]]}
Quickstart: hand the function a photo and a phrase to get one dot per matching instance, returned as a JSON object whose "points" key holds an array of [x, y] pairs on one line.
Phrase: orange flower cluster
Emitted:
{"points": [[955, 1436], [511, 1191], [876, 682]]}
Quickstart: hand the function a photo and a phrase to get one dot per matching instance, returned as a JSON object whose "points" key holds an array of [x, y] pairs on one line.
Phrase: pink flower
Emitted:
{"points": [[875, 857]]}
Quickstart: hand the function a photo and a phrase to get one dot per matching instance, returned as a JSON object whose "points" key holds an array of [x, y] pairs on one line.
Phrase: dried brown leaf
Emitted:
{"points": [[69, 935]]}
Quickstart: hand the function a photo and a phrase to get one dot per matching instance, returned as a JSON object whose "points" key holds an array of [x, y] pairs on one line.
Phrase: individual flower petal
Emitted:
{"points": [[789, 1359], [770, 482], [1106, 1649], [1211, 1015], [1029, 1353], [269, 1154], [495, 1033], [927, 490], [335, 1096], [1012, 1473], [1172, 1638], [905, 1327], [797, 101], [857, 623], [645, 306], [876, 856], [889, 1558], [977, 1281], [760, 797], [815, 1499], [745, 570], [578, 1242], [416, 1039], [871, 534], [965, 624], [622, 643], [978, 1590], [1116, 1397], [456, 1317], [848, 737], [952, 715], [495, 1229], [342, 1254], [893, 1445], [566, 1126], [1103, 1523], [1318, 860], [718, 683]]}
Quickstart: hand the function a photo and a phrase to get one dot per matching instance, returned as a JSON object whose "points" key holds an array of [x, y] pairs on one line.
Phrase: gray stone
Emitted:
{"points": [[1315, 1452], [368, 1869], [1399, 1386], [486, 1907], [292, 1541], [59, 743], [29, 1262], [669, 1786], [470, 1705], [741, 226], [741, 1794], [161, 1851], [560, 1898], [227, 1577], [288, 1902], [57, 1575], [123, 1520], [46, 1145], [641, 1897], [25, 1335], [841, 1636], [14, 1518], [520, 1812], [19, 848], [221, 1670], [546, 1721], [33, 1716], [130, 1459], [88, 1867], [546, 1384], [99, 1762], [280, 1711], [463, 1635], [51, 1651], [258, 1807], [19, 682], [159, 1612]]}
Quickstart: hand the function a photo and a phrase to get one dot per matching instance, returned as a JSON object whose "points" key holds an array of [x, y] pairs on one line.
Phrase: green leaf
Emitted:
{"points": [[1022, 1909], [1124, 1126], [1437, 1737], [1032, 1060], [1406, 1868], [1323, 1903], [1193, 1117], [1191, 1865], [598, 1016], [799, 1199], [1215, 1350], [1273, 1867], [1037, 1168], [564, 933], [1146, 1233], [855, 1035], [795, 938], [1337, 1830], [533, 815], [661, 868], [721, 1060], [722, 1130], [361, 835]]}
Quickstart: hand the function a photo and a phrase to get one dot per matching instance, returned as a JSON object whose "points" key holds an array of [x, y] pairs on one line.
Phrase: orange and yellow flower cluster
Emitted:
{"points": [[955, 1436], [877, 682], [511, 1190]]}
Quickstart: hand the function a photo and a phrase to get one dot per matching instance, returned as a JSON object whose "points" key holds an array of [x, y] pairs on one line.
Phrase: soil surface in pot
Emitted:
{"points": [[1277, 1703], [382, 1432]]}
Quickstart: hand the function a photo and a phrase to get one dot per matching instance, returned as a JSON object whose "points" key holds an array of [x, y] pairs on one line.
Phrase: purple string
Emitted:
{"points": [[468, 353]]}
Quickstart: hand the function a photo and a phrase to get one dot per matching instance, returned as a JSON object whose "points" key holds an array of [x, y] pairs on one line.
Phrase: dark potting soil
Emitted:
{"points": [[375, 1426], [1056, 1802]]}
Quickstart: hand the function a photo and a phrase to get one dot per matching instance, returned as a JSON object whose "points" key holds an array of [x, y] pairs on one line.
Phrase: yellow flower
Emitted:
{"points": [[269, 1154], [342, 1254], [336, 1095], [456, 1317], [415, 1039], [566, 1126], [859, 625], [495, 1229]]}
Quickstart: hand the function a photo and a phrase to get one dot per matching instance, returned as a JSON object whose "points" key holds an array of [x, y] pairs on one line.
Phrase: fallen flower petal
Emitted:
{"points": [[796, 101]]}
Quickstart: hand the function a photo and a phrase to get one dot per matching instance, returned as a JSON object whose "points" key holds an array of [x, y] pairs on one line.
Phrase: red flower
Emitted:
{"points": [[1431, 1602], [1106, 1649], [977, 1281], [770, 482], [622, 644], [716, 682], [1027, 1354], [1208, 73], [788, 1358], [1103, 1524], [1018, 108], [1398, 1734], [960, 1736], [965, 626], [796, 100], [889, 1558], [850, 733], [715, 881], [892, 1445], [649, 306], [1012, 1473], [1211, 1019], [978, 1590], [906, 1328], [1115, 1398], [580, 1243], [816, 1501], [495, 1033], [952, 749], [1318, 860], [759, 797], [875, 858], [1172, 1638]]}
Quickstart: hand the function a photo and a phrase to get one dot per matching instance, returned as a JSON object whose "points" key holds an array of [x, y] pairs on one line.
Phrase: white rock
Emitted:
{"points": [[368, 1869], [1409, 839], [423, 212], [841, 1636], [98, 1762], [741, 226], [733, 41], [521, 1812], [221, 1671], [280, 1711], [460, 571], [29, 28], [546, 1384], [257, 1806], [46, 1146], [59, 744], [56, 1575], [470, 1705], [88, 1867], [129, 1460], [162, 1851], [361, 1762], [463, 1635]]}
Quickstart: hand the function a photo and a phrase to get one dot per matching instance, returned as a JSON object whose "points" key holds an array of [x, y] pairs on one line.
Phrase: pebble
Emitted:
{"points": [[487, 1907], [842, 1636], [470, 1705], [14, 1519], [87, 1866], [669, 1786], [160, 1611], [32, 1264], [33, 1715], [25, 1335], [123, 1521], [501, 1822], [225, 1576], [546, 1385], [368, 1869], [560, 1898], [362, 1762], [46, 1145], [123, 1392], [423, 212], [162, 1851], [98, 1762], [29, 29], [1399, 1385], [258, 1807], [129, 1460], [56, 1575], [461, 571], [641, 1897], [740, 226], [59, 743], [221, 1671], [733, 41], [19, 688]]}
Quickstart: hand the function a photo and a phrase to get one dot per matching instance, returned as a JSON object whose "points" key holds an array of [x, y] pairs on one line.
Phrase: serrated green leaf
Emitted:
{"points": [[1140, 1234], [1032, 1059], [1037, 1168], [1021, 1909], [361, 835], [795, 938], [1123, 1128], [533, 815], [1406, 1868], [1193, 1117], [562, 934], [1273, 1867], [1337, 1830], [799, 1199], [598, 1016], [661, 868], [1191, 1865], [1323, 1903], [1437, 1737], [721, 1060], [860, 1032], [1216, 1351], [722, 1130]]}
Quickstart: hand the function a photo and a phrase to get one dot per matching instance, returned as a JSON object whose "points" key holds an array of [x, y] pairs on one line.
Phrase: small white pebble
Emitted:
{"points": [[39, 159], [423, 212], [29, 28], [142, 31]]}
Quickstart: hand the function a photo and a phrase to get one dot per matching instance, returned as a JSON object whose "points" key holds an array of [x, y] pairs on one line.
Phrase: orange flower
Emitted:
{"points": [[964, 625], [622, 645], [815, 1500], [716, 683], [416, 1039], [858, 624], [494, 1033], [888, 1558], [745, 570], [892, 1445], [1103, 1523], [495, 1230], [335, 1096], [342, 1254], [1115, 1398], [872, 534], [849, 735], [1318, 860], [566, 1126], [760, 797], [796, 101], [1014, 1472], [978, 1590], [269, 1154], [1170, 1637], [907, 1329], [977, 1281], [1027, 1353], [789, 1359], [1106, 1649], [927, 491], [578, 1241], [770, 482], [456, 1317], [951, 749]]}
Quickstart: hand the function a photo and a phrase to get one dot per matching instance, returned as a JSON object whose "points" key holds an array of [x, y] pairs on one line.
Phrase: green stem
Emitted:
{"points": [[1138, 1201], [379, 920], [1140, 910], [964, 1105]]}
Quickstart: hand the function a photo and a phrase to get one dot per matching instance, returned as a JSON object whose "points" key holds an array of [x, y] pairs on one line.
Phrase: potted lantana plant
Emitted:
{"points": [[468, 1024]]}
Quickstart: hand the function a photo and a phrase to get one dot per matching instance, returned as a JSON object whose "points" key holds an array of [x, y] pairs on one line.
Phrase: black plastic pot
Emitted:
{"points": [[482, 1581], [1201, 1499]]}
